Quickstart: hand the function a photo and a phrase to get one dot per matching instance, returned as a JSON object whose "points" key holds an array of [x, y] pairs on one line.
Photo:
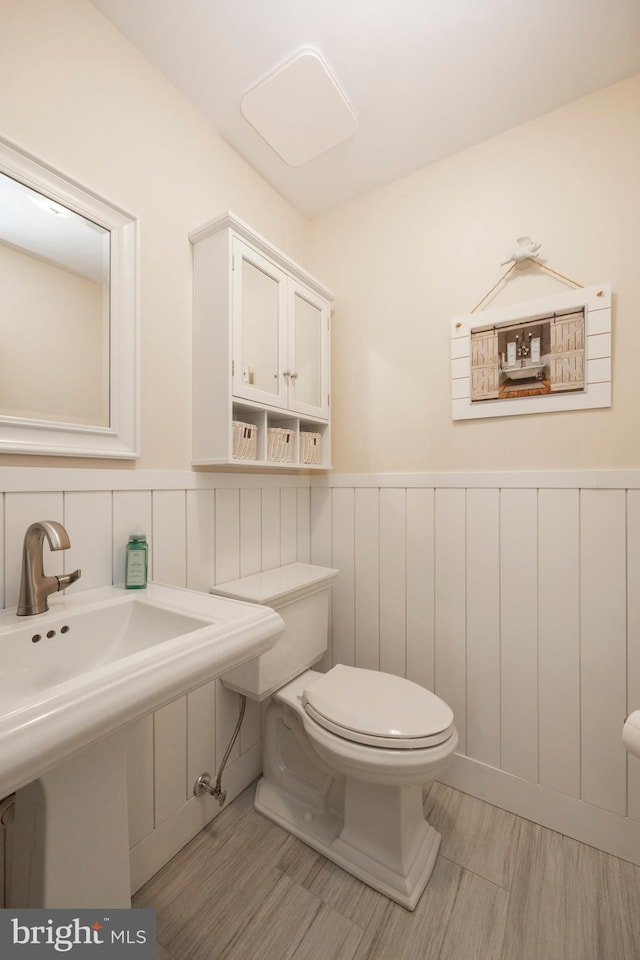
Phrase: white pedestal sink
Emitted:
{"points": [[71, 681]]}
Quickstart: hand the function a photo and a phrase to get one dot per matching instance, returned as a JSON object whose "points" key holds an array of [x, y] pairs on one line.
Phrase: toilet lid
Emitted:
{"points": [[377, 709]]}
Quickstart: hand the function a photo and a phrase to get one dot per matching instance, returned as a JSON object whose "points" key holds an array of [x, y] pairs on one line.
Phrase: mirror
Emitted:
{"points": [[68, 316]]}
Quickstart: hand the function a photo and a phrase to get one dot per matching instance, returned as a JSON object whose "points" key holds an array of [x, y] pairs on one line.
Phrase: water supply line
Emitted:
{"points": [[203, 783]]}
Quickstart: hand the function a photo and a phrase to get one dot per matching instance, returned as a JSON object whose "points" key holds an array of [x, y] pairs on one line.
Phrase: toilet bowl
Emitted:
{"points": [[346, 753]]}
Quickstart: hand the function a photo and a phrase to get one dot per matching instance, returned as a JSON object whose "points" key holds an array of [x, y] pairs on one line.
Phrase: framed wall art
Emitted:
{"points": [[537, 356]]}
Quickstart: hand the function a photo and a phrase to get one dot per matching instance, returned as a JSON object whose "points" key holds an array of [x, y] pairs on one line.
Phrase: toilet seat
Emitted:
{"points": [[377, 709]]}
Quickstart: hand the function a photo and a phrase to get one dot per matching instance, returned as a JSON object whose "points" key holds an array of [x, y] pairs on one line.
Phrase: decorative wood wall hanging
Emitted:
{"points": [[537, 356]]}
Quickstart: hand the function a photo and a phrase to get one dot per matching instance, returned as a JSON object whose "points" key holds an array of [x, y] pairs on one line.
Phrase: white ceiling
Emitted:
{"points": [[426, 77]]}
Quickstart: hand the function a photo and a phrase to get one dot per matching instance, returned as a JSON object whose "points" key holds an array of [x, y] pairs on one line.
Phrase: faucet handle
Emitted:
{"points": [[66, 579]]}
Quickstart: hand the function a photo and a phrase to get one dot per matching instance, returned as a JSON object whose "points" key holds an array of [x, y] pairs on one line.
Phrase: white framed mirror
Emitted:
{"points": [[69, 325]]}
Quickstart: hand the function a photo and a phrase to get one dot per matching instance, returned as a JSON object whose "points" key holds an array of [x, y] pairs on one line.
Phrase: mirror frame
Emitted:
{"points": [[121, 439]]}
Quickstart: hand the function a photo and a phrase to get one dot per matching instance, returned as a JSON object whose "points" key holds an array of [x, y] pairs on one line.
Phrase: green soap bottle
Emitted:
{"points": [[135, 576]]}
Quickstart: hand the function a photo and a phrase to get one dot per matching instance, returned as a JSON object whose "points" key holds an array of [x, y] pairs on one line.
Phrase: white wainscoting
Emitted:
{"points": [[203, 529], [516, 598]]}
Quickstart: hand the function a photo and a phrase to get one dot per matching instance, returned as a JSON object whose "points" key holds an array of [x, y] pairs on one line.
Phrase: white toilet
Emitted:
{"points": [[346, 753]]}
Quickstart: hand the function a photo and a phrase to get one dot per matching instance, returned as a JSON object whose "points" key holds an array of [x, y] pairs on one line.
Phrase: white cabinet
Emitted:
{"points": [[261, 353]]}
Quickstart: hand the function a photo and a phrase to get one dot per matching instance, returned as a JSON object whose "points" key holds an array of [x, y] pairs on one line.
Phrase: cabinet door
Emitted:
{"points": [[308, 357], [259, 327]]}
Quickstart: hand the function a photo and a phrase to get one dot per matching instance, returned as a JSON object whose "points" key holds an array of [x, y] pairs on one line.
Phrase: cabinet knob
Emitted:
{"points": [[294, 376]]}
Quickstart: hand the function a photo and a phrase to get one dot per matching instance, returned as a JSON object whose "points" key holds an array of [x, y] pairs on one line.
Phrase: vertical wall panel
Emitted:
{"points": [[201, 570], [367, 578], [270, 528], [251, 729], [250, 531], [420, 587], [450, 616], [321, 500], [559, 639], [227, 535], [603, 648], [140, 781], [131, 512], [88, 521], [169, 541], [227, 712], [483, 625], [2, 559], [288, 528], [320, 504], [393, 582], [21, 510], [170, 760], [342, 529], [201, 732], [633, 639], [303, 524], [519, 632]]}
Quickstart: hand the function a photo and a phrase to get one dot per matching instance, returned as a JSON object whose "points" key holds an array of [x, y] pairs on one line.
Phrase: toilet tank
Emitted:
{"points": [[299, 592]]}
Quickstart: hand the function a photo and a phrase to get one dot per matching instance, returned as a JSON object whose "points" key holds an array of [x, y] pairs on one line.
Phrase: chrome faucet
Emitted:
{"points": [[35, 587]]}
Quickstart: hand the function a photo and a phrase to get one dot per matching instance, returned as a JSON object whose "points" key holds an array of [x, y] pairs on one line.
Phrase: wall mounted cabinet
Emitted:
{"points": [[261, 358]]}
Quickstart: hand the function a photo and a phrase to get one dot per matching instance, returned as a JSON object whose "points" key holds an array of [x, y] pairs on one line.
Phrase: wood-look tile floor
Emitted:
{"points": [[502, 889]]}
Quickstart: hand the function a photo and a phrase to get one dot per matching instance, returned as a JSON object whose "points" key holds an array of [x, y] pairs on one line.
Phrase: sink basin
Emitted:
{"points": [[99, 659]]}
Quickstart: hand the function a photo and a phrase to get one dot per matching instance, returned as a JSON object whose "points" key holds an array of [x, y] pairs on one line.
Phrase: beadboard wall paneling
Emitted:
{"points": [[483, 625], [519, 633], [513, 596], [202, 529], [88, 518], [603, 652], [169, 544], [518, 602], [343, 558], [420, 573], [633, 638], [321, 500], [367, 579], [559, 640], [451, 615], [250, 531], [393, 581]]}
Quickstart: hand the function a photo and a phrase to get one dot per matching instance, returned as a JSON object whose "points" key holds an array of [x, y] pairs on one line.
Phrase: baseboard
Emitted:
{"points": [[157, 848], [610, 832]]}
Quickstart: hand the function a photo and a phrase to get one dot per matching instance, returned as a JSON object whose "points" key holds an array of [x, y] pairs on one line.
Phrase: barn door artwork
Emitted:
{"points": [[566, 362]]}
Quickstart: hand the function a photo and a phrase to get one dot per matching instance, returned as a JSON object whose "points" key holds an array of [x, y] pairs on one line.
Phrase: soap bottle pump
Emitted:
{"points": [[135, 577]]}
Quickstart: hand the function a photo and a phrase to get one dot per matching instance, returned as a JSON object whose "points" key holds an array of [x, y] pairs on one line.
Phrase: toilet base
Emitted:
{"points": [[397, 862]]}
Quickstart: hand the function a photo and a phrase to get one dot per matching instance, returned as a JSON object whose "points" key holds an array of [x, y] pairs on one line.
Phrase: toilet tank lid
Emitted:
{"points": [[281, 583]]}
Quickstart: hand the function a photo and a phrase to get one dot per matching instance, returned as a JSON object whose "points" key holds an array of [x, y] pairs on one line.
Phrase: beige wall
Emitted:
{"points": [[74, 92], [402, 260], [407, 258]]}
